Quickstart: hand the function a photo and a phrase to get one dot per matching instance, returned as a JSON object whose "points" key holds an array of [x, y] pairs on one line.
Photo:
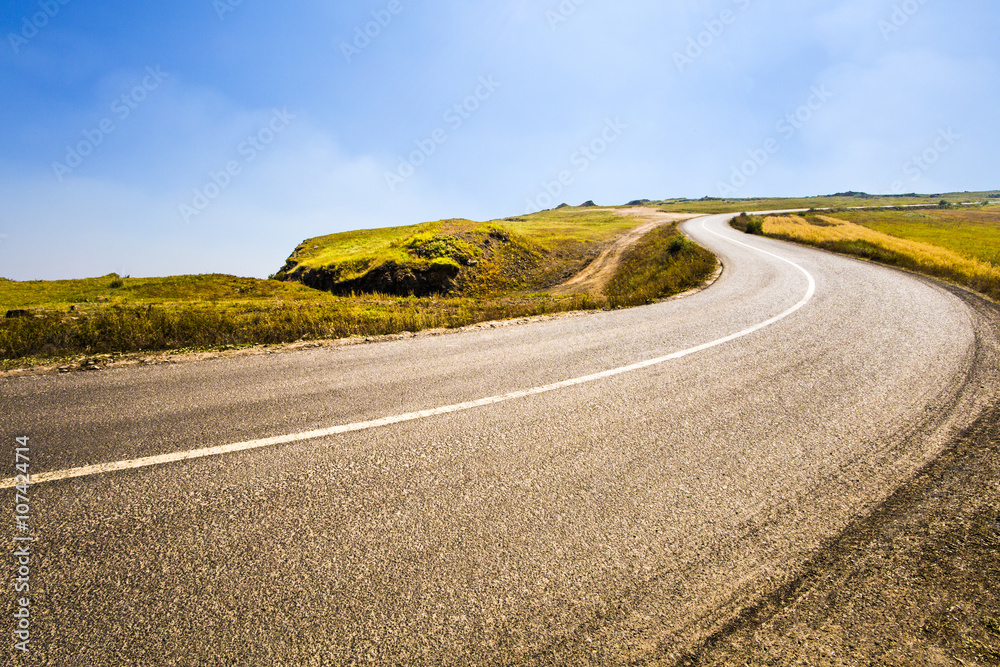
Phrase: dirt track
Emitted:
{"points": [[597, 274]]}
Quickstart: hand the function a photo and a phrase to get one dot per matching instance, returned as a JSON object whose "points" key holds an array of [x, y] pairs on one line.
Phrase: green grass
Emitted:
{"points": [[548, 230], [662, 264], [561, 227], [110, 329], [363, 247], [748, 224], [527, 254]]}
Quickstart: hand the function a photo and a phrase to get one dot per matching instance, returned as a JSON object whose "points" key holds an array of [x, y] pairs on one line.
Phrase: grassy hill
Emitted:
{"points": [[457, 256]]}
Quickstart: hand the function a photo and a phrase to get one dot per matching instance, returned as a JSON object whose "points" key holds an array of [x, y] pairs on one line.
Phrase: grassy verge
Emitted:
{"points": [[122, 328], [662, 264], [114, 289], [970, 232], [956, 245], [748, 224]]}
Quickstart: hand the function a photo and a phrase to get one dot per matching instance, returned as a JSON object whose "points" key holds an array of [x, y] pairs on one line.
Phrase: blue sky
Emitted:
{"points": [[203, 136]]}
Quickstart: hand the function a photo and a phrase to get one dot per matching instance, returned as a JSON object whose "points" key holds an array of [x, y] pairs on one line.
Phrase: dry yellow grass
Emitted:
{"points": [[835, 234]]}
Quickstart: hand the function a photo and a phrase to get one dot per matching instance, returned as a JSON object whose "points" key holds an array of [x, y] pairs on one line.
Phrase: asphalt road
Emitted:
{"points": [[616, 520]]}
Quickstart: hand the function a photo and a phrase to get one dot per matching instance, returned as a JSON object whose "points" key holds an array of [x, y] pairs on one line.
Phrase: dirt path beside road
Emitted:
{"points": [[598, 273]]}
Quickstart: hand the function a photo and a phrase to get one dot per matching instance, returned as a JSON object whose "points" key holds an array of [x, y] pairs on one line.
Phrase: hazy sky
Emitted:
{"points": [[195, 136]]}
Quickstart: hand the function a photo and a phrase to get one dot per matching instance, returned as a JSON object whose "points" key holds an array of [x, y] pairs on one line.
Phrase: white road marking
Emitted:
{"points": [[149, 461]]}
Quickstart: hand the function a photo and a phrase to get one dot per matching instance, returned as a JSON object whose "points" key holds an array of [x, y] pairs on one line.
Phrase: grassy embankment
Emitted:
{"points": [[664, 262], [491, 271], [958, 244]]}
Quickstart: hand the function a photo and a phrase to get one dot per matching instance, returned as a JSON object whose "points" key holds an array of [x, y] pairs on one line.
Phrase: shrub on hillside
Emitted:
{"points": [[749, 224]]}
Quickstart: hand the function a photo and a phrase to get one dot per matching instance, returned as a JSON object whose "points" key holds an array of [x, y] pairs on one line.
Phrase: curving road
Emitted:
{"points": [[632, 481]]}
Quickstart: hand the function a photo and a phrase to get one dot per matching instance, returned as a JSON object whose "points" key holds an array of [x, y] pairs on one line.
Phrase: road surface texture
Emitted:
{"points": [[620, 519]]}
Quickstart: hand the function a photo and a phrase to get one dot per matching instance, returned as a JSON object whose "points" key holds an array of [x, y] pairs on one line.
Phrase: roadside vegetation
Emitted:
{"points": [[126, 327], [959, 244], [748, 224], [486, 271], [663, 263], [968, 231]]}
